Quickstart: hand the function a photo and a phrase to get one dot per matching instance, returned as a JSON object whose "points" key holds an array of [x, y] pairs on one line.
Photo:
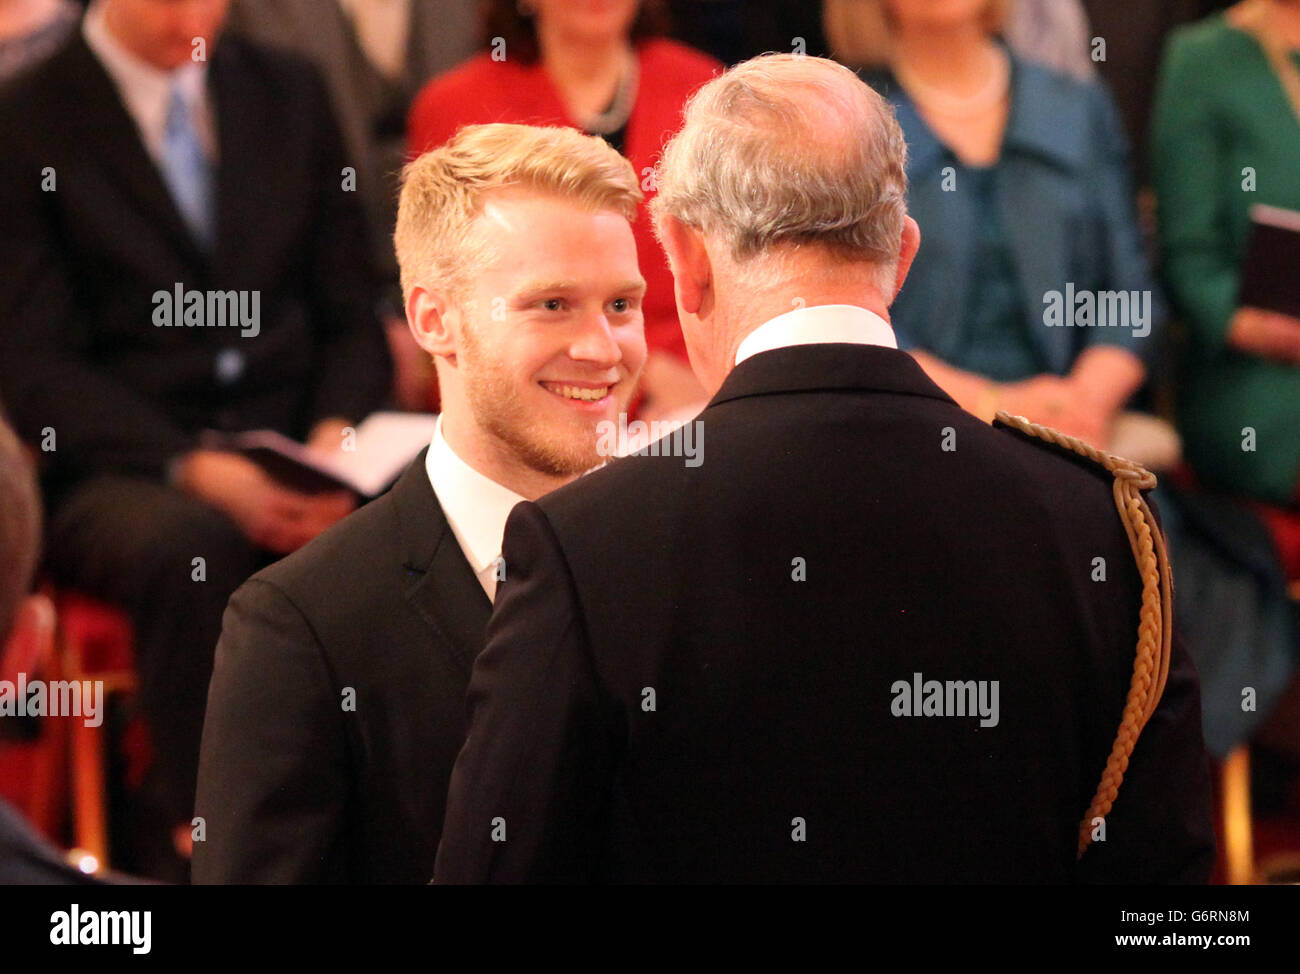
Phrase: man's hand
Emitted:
{"points": [[1266, 334], [271, 516], [327, 435]]}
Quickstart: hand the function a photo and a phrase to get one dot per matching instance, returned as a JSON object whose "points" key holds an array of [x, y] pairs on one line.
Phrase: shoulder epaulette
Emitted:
{"points": [[1155, 630]]}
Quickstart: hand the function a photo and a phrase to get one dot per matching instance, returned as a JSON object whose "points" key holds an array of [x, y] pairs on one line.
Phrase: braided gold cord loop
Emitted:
{"points": [[1155, 630]]}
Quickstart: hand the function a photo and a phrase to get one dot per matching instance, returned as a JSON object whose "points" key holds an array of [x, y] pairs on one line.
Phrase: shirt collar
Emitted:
{"points": [[476, 506], [820, 324]]}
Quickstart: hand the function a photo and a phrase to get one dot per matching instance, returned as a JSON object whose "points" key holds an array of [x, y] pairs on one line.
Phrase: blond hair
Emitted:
{"points": [[443, 193], [861, 32], [789, 150]]}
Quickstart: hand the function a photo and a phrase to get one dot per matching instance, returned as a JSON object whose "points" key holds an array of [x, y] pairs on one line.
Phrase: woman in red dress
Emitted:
{"points": [[601, 66]]}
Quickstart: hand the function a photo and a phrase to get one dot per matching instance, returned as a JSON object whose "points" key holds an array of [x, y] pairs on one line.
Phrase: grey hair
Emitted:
{"points": [[787, 150]]}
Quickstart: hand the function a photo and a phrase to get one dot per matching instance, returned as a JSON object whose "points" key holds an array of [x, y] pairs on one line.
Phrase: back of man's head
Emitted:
{"points": [[785, 151], [20, 526]]}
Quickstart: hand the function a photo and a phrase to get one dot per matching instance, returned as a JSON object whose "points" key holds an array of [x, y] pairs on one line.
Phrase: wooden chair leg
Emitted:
{"points": [[95, 645], [50, 778], [89, 810], [1238, 845], [48, 808]]}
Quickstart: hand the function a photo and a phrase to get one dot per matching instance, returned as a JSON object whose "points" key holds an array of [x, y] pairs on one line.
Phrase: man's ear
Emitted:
{"points": [[427, 314], [908, 247], [689, 260]]}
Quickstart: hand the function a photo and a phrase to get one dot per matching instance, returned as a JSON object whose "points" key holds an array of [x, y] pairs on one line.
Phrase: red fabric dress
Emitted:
{"points": [[482, 90]]}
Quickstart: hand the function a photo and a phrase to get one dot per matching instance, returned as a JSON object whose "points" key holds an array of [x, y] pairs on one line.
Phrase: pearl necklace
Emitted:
{"points": [[616, 115], [942, 103]]}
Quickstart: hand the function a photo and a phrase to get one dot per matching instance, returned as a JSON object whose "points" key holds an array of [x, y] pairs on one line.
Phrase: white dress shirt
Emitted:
{"points": [[476, 508], [818, 325], [146, 90]]}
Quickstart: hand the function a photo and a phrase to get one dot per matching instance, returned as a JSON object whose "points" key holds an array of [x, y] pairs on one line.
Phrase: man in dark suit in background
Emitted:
{"points": [[180, 254], [375, 56], [755, 701], [337, 700]]}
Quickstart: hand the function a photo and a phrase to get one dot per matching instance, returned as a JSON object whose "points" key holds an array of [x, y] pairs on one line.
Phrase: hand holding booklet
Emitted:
{"points": [[367, 462], [1270, 276]]}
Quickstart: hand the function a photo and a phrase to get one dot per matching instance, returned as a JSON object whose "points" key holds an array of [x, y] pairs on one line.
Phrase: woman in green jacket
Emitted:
{"points": [[1226, 137]]}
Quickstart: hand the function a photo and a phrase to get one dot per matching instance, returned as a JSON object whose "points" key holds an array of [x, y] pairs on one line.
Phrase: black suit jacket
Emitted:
{"points": [[336, 707], [90, 233], [661, 699]]}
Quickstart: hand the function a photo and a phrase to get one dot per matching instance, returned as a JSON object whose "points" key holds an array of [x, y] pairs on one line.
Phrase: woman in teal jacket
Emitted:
{"points": [[1031, 291]]}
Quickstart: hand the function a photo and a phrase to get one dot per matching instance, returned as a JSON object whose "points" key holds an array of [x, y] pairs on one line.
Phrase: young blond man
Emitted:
{"points": [[337, 702]]}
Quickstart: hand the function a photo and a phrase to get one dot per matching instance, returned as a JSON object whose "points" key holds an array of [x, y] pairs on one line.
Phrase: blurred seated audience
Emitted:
{"points": [[1018, 178], [32, 30], [374, 55], [183, 258], [608, 71]]}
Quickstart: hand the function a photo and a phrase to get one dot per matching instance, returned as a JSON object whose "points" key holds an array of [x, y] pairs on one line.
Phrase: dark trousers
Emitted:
{"points": [[132, 543]]}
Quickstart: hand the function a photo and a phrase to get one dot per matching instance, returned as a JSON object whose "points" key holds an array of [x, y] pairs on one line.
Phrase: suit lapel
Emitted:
{"points": [[451, 600], [440, 584], [105, 124]]}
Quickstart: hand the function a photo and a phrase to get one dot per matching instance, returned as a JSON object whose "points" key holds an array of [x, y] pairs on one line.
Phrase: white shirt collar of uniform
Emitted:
{"points": [[817, 325], [476, 507], [145, 89]]}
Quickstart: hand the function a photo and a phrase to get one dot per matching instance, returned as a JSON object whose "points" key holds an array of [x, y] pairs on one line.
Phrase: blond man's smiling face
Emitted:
{"points": [[551, 339]]}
